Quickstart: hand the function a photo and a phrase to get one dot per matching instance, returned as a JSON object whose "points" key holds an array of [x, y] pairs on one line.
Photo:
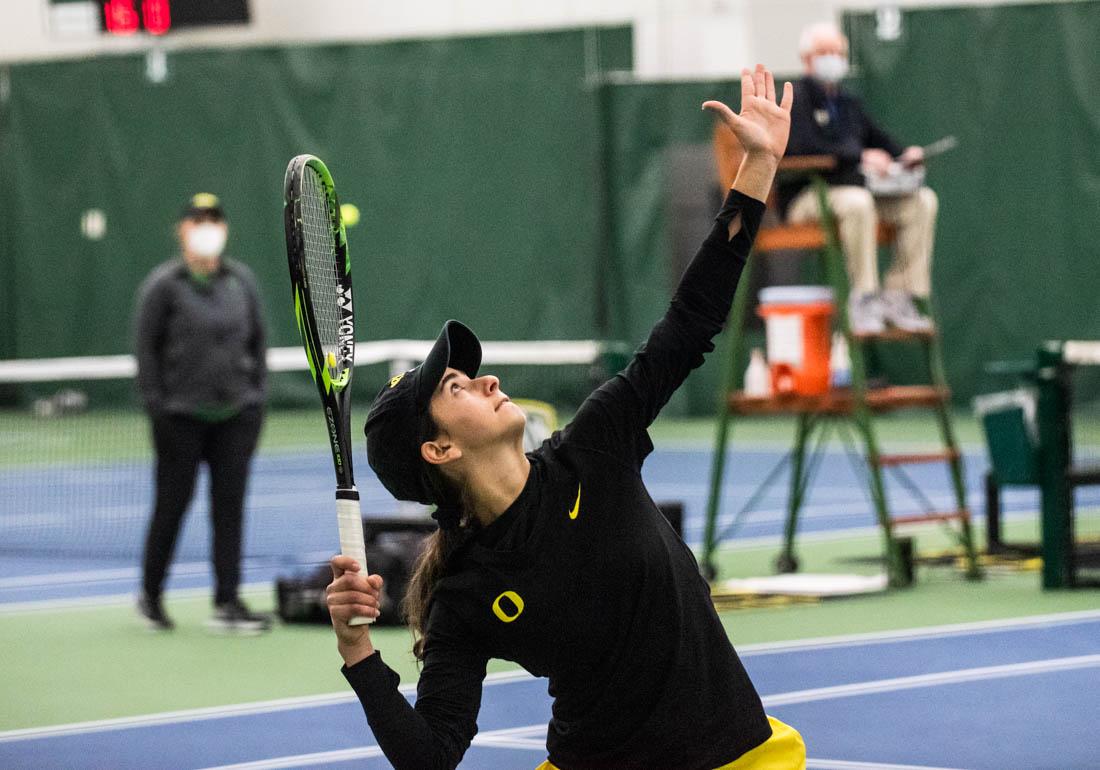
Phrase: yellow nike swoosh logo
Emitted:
{"points": [[577, 505]]}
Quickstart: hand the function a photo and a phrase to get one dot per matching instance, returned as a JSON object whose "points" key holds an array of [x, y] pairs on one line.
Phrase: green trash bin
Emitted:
{"points": [[1012, 438], [1011, 434]]}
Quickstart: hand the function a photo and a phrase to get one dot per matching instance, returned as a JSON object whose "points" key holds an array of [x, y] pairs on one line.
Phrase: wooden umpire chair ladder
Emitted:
{"points": [[856, 405]]}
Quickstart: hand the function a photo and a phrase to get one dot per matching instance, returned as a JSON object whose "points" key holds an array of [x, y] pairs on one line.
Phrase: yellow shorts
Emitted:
{"points": [[783, 751]]}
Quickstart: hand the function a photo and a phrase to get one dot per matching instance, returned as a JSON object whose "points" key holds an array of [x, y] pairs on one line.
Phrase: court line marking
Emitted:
{"points": [[113, 600], [837, 509], [528, 738], [842, 764], [516, 737], [305, 760], [97, 575], [218, 712], [765, 648], [947, 630], [196, 568], [824, 535], [957, 676], [505, 738], [760, 541], [368, 752]]}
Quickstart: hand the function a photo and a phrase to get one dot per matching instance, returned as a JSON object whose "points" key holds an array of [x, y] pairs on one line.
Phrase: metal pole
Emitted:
{"points": [[731, 353], [1052, 414]]}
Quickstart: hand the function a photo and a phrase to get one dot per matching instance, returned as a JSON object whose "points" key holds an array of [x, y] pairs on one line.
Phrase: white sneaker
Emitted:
{"points": [[235, 618], [901, 312], [866, 314]]}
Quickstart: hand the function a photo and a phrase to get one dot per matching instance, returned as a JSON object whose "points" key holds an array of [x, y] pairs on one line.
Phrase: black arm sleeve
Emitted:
{"points": [[615, 417], [149, 318], [435, 733], [257, 342]]}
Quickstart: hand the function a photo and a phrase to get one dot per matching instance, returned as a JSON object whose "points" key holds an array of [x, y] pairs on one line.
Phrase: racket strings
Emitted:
{"points": [[320, 264]]}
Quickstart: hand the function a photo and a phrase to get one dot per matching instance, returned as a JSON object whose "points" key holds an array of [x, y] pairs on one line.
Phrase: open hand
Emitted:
{"points": [[763, 126]]}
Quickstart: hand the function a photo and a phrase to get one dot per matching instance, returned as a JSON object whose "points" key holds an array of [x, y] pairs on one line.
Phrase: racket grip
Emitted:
{"points": [[350, 520]]}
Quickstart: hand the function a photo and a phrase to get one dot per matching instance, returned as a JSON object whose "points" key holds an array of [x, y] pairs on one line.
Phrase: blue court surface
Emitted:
{"points": [[1015, 693], [1011, 694], [290, 520]]}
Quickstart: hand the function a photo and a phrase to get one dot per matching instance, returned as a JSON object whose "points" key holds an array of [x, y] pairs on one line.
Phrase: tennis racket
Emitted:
{"points": [[320, 276]]}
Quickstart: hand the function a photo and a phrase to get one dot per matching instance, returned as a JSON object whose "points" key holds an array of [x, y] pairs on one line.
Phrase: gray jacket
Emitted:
{"points": [[200, 347]]}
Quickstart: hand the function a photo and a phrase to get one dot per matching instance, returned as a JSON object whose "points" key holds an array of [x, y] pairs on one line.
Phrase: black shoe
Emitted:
{"points": [[153, 614], [234, 617]]}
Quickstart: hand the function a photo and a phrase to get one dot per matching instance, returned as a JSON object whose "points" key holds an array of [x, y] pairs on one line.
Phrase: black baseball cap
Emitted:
{"points": [[393, 446], [203, 205]]}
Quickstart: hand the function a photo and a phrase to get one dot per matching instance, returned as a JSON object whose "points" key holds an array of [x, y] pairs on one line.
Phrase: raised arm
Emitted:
{"points": [[615, 417]]}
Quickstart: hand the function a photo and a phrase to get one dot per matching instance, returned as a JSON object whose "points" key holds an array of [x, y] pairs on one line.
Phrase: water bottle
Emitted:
{"points": [[840, 364], [758, 381]]}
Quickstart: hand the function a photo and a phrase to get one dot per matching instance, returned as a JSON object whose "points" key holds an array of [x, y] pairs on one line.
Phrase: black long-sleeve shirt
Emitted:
{"points": [[582, 580], [831, 124]]}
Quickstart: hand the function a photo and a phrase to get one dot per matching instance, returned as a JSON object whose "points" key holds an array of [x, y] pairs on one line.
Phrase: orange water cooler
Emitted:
{"points": [[798, 322]]}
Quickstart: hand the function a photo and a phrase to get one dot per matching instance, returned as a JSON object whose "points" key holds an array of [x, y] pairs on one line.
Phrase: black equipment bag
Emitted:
{"points": [[393, 546]]}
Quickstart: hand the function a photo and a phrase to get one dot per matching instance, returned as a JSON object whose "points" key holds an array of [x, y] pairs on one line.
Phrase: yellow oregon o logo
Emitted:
{"points": [[513, 597]]}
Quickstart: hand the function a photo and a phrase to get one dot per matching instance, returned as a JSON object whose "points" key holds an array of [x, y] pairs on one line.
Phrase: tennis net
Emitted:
{"points": [[76, 460]]}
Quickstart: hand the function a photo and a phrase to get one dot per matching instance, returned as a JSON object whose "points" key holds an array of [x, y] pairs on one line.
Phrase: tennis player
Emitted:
{"points": [[558, 559]]}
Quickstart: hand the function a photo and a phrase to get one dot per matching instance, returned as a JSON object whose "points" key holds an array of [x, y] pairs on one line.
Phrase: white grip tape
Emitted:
{"points": [[350, 520]]}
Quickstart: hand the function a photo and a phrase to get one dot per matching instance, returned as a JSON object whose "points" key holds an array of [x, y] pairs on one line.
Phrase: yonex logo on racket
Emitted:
{"points": [[347, 324]]}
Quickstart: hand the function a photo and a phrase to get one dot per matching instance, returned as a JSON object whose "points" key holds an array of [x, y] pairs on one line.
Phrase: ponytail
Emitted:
{"points": [[440, 546], [430, 567]]}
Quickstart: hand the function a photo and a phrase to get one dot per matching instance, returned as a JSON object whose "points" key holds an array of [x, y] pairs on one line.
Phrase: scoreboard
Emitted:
{"points": [[157, 17], [125, 18]]}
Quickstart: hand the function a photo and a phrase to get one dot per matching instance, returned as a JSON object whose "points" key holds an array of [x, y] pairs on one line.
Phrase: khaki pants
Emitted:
{"points": [[857, 214]]}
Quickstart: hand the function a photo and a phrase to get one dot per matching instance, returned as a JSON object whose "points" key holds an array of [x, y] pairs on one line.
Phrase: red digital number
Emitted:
{"points": [[157, 16], [121, 17]]}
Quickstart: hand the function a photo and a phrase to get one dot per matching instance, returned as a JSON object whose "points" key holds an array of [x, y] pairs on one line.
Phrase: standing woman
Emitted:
{"points": [[202, 374], [558, 559]]}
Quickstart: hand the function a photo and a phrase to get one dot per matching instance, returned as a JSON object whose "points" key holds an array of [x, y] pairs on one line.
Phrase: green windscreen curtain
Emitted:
{"points": [[473, 162], [501, 180], [1018, 242], [643, 122]]}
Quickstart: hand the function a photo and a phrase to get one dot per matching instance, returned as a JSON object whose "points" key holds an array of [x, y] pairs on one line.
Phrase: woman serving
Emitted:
{"points": [[558, 559]]}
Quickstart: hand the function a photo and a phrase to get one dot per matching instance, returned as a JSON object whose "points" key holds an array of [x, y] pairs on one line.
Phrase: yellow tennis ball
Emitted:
{"points": [[349, 214], [330, 359]]}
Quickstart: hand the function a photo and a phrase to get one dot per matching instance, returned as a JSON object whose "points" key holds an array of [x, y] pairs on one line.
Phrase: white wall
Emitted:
{"points": [[673, 38]]}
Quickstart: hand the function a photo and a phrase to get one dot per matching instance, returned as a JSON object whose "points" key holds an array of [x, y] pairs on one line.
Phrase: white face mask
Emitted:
{"points": [[207, 240], [829, 68]]}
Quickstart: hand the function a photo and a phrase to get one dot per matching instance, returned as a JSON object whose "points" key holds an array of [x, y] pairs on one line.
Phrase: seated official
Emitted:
{"points": [[827, 120]]}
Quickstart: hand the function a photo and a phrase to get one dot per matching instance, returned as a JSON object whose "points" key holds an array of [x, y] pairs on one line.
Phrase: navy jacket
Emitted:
{"points": [[838, 126], [200, 345]]}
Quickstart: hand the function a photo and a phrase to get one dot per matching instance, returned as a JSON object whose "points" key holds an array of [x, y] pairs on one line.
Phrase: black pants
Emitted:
{"points": [[181, 443]]}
